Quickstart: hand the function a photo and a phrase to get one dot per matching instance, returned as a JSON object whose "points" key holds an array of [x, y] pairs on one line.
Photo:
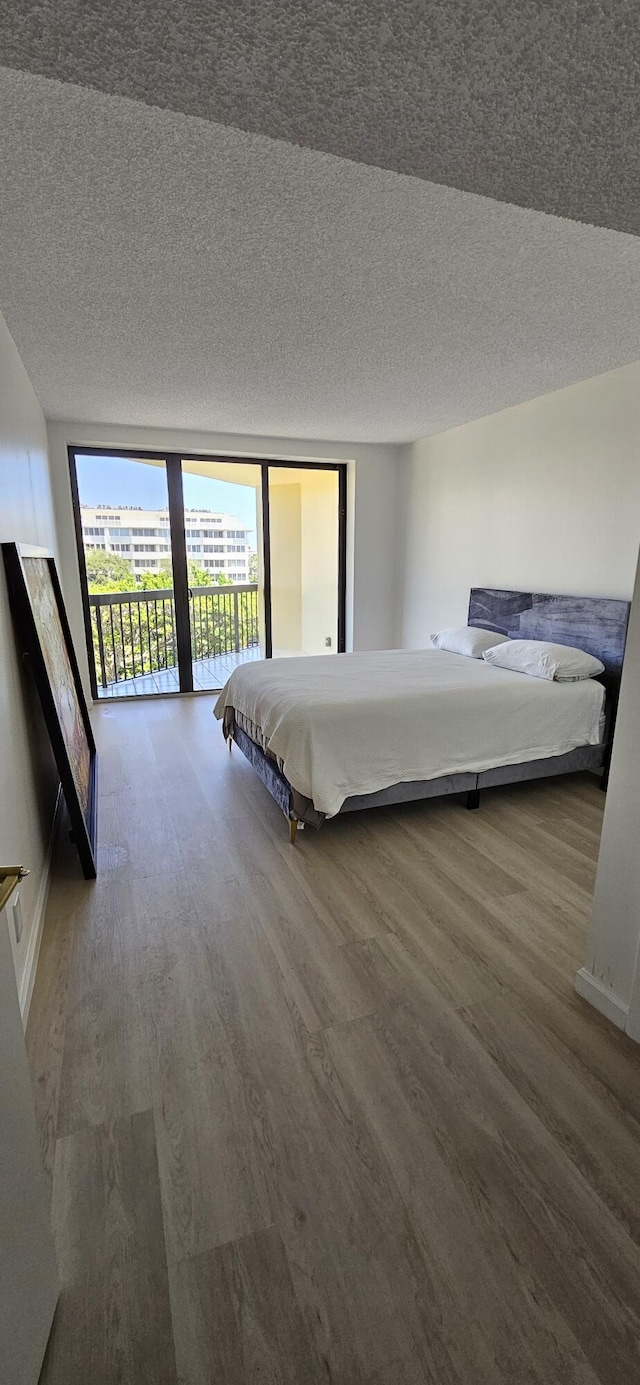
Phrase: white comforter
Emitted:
{"points": [[349, 724]]}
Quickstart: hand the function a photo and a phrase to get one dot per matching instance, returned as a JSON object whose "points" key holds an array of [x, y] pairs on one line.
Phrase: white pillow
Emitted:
{"points": [[560, 662], [466, 639]]}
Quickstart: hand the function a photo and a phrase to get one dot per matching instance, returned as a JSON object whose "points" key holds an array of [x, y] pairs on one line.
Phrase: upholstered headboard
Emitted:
{"points": [[593, 623]]}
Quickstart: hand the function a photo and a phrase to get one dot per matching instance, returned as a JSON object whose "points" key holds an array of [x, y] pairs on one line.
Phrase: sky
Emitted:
{"points": [[118, 481]]}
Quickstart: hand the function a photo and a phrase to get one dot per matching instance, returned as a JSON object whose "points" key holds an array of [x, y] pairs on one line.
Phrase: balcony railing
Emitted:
{"points": [[134, 632]]}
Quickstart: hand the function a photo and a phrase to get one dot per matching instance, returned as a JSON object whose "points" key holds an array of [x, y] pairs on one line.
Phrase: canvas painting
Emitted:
{"points": [[58, 665], [43, 632]]}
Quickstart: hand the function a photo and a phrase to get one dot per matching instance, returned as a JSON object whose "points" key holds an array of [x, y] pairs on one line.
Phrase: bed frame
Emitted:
{"points": [[596, 624]]}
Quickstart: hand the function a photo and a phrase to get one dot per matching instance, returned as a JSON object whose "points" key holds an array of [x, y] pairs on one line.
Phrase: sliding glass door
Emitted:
{"points": [[223, 530], [124, 538], [191, 566], [304, 521]]}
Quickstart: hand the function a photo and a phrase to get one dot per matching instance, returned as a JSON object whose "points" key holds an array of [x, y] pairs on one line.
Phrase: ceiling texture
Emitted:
{"points": [[356, 221], [534, 102]]}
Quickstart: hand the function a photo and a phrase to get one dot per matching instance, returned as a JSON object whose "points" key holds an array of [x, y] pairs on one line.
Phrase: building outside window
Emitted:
{"points": [[152, 526]]}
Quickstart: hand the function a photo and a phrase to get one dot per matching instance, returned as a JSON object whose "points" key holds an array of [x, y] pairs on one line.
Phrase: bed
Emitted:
{"points": [[335, 734]]}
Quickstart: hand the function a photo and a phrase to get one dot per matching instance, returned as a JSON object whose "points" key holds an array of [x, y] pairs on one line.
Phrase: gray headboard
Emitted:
{"points": [[593, 623]]}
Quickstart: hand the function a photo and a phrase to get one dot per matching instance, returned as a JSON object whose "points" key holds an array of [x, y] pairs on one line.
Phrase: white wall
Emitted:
{"points": [[610, 978], [372, 505], [544, 496], [28, 786], [29, 781], [286, 537], [319, 575]]}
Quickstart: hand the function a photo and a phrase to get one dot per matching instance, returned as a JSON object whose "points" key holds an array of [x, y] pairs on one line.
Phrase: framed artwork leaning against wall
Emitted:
{"points": [[44, 637]]}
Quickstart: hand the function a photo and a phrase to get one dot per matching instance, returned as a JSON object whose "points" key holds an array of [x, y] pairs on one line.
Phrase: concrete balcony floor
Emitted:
{"points": [[208, 675]]}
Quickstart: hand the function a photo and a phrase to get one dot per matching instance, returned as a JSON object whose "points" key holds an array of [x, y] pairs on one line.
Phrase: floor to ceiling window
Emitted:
{"points": [[122, 517], [304, 516], [192, 565], [222, 517]]}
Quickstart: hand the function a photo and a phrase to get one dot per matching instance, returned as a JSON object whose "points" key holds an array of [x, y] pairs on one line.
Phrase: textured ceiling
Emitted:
{"points": [[534, 103], [158, 269]]}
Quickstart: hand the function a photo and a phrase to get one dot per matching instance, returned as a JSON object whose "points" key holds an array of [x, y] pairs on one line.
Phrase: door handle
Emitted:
{"points": [[10, 877]]}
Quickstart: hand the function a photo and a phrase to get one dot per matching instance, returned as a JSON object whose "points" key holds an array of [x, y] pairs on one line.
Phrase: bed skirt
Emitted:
{"points": [[297, 807]]}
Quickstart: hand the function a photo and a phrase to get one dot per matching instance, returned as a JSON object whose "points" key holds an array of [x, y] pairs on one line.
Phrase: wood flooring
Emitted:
{"points": [[331, 1113]]}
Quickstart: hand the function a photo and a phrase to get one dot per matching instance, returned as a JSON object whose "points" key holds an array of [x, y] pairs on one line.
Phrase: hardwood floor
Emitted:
{"points": [[332, 1112]]}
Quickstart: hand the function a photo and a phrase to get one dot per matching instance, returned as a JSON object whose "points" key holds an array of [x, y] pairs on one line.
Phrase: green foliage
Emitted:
{"points": [[197, 576], [253, 567], [204, 577], [108, 572], [156, 581]]}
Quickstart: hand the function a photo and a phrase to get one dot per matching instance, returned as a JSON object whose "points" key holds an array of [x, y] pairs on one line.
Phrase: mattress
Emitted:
{"points": [[355, 724]]}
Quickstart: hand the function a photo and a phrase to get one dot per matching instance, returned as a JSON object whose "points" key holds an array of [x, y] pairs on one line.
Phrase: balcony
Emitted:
{"points": [[135, 646]]}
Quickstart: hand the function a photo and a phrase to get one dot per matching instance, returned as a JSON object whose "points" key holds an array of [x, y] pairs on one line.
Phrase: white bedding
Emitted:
{"points": [[357, 723]]}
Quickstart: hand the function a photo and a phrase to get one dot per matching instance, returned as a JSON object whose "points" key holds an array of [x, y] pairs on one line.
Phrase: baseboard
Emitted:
{"points": [[601, 998], [31, 961], [633, 1028]]}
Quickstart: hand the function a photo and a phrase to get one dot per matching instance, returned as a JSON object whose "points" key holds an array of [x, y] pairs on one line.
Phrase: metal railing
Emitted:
{"points": [[134, 632]]}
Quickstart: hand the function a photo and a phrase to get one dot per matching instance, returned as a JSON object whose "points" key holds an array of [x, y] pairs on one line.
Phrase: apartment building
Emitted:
{"points": [[216, 542]]}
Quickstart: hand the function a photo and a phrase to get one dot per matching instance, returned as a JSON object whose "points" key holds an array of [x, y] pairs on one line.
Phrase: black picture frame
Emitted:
{"points": [[35, 596]]}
